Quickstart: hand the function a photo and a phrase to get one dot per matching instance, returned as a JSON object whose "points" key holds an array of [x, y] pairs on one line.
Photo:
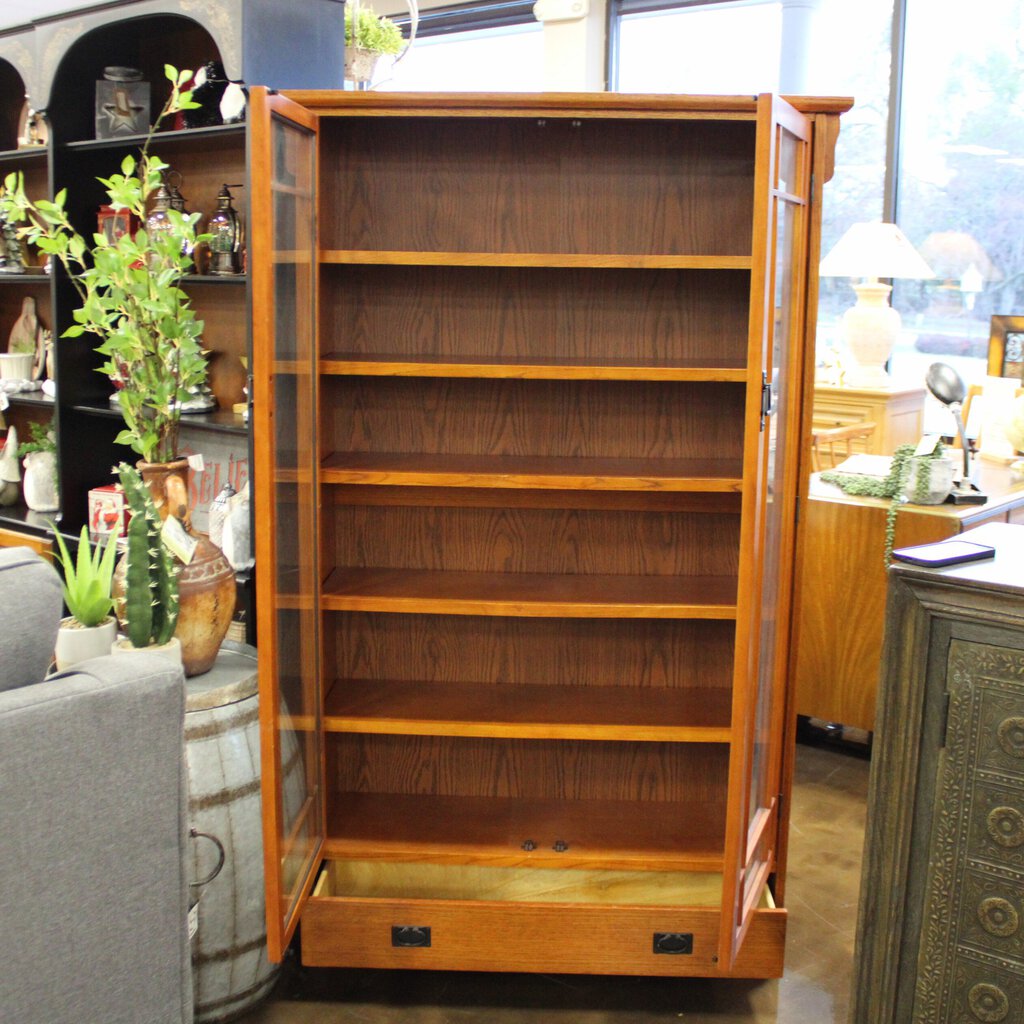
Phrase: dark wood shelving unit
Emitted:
{"points": [[254, 46]]}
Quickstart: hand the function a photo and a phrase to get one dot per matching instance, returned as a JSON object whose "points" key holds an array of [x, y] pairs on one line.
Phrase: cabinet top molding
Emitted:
{"points": [[556, 103]]}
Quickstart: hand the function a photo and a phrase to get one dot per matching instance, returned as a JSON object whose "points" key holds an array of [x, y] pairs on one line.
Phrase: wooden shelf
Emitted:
{"points": [[29, 277], [421, 470], [654, 836], [14, 156], [210, 134], [218, 420], [223, 279], [33, 399], [529, 594], [590, 261], [626, 713], [383, 364]]}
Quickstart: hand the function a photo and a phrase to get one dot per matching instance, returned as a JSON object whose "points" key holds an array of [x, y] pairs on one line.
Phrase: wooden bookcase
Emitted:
{"points": [[528, 446]]}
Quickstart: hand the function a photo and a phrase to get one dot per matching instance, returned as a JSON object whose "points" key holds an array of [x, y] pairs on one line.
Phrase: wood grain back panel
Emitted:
{"points": [[514, 185], [629, 419], [531, 769], [494, 650], [508, 312], [521, 540]]}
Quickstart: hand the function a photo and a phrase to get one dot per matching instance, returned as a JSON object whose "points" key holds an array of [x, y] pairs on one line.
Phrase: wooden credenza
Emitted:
{"points": [[940, 936], [841, 595], [529, 448], [897, 413]]}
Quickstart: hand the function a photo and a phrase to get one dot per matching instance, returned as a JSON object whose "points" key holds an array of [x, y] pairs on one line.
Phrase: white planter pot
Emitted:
{"points": [[76, 642], [360, 64], [122, 645], [940, 480], [40, 482]]}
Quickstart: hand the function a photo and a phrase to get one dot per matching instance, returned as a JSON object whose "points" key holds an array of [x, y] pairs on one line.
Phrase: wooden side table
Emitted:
{"points": [[897, 413], [841, 593]]}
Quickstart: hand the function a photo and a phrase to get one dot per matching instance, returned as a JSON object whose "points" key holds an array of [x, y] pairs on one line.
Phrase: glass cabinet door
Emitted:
{"points": [[778, 286], [283, 264]]}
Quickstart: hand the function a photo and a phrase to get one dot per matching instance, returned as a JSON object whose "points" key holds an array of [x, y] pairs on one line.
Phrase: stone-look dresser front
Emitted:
{"points": [[941, 930]]}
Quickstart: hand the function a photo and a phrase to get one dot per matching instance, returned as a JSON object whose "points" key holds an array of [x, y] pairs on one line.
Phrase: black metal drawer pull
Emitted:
{"points": [[409, 935], [673, 943]]}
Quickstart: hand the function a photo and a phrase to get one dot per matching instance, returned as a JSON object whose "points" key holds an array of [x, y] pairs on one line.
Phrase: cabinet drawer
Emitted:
{"points": [[343, 926]]}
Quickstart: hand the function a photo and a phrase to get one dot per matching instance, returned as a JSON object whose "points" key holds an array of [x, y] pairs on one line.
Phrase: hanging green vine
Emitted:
{"points": [[893, 486]]}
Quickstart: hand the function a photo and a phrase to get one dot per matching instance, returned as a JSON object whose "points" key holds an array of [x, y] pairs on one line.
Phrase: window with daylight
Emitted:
{"points": [[852, 56], [729, 48], [479, 47], [960, 184]]}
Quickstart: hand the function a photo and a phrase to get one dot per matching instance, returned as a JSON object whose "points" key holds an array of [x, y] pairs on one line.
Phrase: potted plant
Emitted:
{"points": [[148, 334], [90, 629], [368, 36], [145, 589], [40, 456], [923, 479], [130, 290]]}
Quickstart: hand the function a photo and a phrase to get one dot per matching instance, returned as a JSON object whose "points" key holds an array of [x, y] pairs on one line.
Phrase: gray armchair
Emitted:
{"points": [[93, 880]]}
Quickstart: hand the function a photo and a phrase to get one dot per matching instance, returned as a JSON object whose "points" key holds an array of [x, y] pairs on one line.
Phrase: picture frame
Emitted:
{"points": [[1006, 347]]}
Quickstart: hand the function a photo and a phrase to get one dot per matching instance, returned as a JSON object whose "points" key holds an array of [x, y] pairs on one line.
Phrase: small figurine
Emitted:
{"points": [[12, 252], [27, 337], [219, 513], [10, 472]]}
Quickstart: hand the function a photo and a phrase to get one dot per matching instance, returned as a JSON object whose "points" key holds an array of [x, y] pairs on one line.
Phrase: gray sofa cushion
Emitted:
{"points": [[93, 883], [30, 606]]}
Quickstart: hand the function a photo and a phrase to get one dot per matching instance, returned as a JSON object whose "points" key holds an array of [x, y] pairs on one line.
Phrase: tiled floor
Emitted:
{"points": [[824, 876]]}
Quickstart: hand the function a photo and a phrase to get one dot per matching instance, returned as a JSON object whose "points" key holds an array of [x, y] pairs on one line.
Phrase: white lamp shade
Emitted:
{"points": [[874, 250]]}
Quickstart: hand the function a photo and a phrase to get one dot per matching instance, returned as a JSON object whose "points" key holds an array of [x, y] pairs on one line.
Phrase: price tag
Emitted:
{"points": [[927, 444], [196, 463], [175, 537]]}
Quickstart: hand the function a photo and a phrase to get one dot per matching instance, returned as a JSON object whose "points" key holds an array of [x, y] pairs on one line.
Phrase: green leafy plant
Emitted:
{"points": [[129, 288], [41, 439], [372, 32], [150, 612], [87, 579], [892, 486]]}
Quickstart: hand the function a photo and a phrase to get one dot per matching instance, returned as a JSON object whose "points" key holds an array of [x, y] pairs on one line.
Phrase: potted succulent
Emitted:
{"points": [[145, 588], [90, 629], [368, 36], [132, 302], [924, 479]]}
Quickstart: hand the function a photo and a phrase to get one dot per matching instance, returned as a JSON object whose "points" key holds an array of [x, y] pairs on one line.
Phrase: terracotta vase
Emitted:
{"points": [[207, 584]]}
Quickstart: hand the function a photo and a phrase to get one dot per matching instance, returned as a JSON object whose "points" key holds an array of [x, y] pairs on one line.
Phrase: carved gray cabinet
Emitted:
{"points": [[940, 936]]}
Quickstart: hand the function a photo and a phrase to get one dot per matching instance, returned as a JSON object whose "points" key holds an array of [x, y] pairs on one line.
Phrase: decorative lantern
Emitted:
{"points": [[158, 223], [177, 202], [225, 229]]}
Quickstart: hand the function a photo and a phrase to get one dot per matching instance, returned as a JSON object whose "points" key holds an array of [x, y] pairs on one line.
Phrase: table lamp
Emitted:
{"points": [[867, 252]]}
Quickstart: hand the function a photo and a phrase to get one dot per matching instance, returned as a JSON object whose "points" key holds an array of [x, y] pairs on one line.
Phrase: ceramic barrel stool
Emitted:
{"points": [[230, 970]]}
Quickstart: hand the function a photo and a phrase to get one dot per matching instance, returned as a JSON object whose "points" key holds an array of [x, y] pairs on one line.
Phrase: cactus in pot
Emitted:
{"points": [[148, 609]]}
